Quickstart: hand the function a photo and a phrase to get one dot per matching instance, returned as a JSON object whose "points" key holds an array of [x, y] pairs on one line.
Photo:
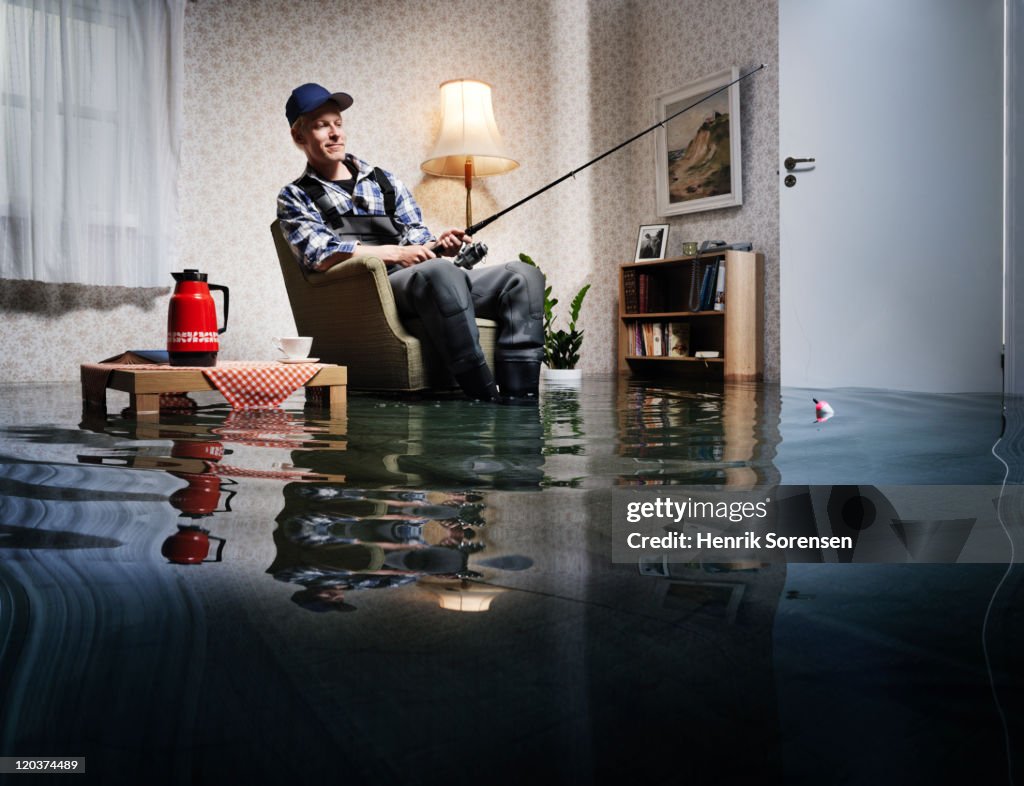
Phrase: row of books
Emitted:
{"points": [[643, 295], [660, 339], [712, 287], [646, 293]]}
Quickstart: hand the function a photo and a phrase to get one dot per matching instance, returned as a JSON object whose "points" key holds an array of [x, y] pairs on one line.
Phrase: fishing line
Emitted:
{"points": [[988, 614]]}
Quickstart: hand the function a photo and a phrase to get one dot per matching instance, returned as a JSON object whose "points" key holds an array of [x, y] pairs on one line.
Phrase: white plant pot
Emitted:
{"points": [[562, 376]]}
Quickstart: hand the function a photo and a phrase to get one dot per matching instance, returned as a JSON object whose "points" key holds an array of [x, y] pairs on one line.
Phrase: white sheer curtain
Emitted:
{"points": [[90, 138]]}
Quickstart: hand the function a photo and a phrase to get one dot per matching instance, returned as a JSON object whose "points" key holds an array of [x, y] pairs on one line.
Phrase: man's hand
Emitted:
{"points": [[451, 241]]}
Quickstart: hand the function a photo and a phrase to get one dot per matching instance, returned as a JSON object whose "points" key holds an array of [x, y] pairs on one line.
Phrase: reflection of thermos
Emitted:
{"points": [[192, 321], [190, 545], [204, 450], [201, 496]]}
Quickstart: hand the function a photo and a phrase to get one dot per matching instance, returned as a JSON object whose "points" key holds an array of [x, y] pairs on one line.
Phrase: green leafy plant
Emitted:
{"points": [[561, 347]]}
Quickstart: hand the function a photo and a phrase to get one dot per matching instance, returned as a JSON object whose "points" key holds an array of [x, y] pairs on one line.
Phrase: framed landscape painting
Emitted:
{"points": [[697, 164]]}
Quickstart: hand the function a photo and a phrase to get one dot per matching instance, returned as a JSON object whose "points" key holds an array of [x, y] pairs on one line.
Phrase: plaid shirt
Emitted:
{"points": [[314, 240]]}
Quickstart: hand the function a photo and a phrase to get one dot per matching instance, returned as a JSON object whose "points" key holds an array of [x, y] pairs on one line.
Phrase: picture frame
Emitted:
{"points": [[698, 156], [651, 242], [707, 600]]}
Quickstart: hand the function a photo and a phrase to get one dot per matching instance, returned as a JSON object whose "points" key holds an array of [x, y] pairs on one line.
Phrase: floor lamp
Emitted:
{"points": [[468, 144]]}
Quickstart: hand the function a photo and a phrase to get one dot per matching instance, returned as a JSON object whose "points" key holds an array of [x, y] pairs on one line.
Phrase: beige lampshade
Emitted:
{"points": [[463, 596], [468, 130]]}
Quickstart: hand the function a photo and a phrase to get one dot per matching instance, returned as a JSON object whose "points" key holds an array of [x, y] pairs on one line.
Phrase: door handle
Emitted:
{"points": [[790, 163]]}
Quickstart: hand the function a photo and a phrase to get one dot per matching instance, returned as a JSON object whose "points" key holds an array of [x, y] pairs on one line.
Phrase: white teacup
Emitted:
{"points": [[295, 347]]}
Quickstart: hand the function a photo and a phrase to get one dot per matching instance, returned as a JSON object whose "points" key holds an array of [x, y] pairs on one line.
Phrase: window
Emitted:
{"points": [[91, 95]]}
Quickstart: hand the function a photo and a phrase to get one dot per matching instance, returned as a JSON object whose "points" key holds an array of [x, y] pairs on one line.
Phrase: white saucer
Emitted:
{"points": [[298, 360]]}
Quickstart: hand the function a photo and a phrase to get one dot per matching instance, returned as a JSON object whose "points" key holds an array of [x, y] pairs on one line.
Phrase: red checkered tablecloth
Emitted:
{"points": [[266, 428], [297, 474], [249, 385], [246, 384]]}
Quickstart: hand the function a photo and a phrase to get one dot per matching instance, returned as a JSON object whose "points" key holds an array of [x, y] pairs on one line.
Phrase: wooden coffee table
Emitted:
{"points": [[144, 387]]}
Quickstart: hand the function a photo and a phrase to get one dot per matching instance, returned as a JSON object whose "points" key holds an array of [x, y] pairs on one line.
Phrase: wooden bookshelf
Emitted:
{"points": [[661, 293]]}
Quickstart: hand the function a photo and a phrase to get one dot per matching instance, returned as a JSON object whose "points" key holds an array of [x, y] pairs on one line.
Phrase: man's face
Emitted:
{"points": [[331, 594], [322, 137]]}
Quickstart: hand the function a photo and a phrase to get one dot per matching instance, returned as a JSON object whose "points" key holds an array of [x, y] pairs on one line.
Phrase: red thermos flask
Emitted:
{"points": [[190, 545], [192, 320]]}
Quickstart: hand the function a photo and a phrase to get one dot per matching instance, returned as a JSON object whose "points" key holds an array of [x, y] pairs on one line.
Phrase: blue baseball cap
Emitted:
{"points": [[310, 96]]}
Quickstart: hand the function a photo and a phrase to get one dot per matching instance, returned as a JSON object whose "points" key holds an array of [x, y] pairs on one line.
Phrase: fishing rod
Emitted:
{"points": [[472, 253]]}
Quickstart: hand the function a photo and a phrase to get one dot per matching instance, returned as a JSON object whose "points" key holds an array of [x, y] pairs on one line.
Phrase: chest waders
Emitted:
{"points": [[370, 230]]}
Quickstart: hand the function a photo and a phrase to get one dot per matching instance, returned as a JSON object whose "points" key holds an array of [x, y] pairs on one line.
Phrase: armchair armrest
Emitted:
{"points": [[355, 266], [357, 280]]}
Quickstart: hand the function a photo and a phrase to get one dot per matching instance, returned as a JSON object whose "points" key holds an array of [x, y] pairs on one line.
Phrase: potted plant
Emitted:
{"points": [[561, 347]]}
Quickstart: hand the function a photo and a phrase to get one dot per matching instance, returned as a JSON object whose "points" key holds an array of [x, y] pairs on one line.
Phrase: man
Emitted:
{"points": [[343, 208]]}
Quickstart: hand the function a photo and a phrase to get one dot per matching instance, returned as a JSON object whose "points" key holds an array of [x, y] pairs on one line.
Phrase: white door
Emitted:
{"points": [[891, 241]]}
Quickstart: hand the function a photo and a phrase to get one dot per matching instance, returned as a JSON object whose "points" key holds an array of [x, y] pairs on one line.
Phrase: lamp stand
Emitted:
{"points": [[469, 191]]}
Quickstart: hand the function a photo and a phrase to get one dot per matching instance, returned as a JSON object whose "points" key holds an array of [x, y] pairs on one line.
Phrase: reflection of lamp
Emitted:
{"points": [[468, 143], [463, 595]]}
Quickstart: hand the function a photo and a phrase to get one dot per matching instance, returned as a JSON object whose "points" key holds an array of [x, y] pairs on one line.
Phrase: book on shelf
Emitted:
{"points": [[679, 339], [629, 291], [642, 286], [634, 340], [657, 342], [648, 331], [707, 292], [719, 304]]}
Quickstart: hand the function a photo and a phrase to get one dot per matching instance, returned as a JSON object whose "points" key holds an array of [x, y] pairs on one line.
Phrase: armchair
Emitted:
{"points": [[351, 314]]}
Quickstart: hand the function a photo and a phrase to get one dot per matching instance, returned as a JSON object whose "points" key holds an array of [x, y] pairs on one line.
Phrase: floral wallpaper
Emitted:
{"points": [[571, 78]]}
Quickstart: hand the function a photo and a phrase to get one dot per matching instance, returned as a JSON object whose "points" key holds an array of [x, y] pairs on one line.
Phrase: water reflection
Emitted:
{"points": [[449, 444], [410, 510], [397, 479], [333, 540], [700, 435]]}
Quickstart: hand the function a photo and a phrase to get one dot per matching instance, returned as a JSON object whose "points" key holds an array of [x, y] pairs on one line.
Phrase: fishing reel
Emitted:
{"points": [[469, 255]]}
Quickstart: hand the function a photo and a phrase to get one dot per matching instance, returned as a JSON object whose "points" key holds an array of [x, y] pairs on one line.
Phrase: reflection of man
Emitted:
{"points": [[330, 595], [327, 566], [494, 447]]}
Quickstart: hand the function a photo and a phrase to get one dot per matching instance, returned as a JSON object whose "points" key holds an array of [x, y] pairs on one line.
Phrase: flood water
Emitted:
{"points": [[329, 632]]}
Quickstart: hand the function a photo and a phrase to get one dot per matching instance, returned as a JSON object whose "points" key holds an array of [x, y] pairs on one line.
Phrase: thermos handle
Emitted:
{"points": [[227, 501], [220, 549], [223, 289]]}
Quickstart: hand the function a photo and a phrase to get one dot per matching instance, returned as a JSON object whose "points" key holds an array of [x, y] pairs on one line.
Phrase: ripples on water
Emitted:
{"points": [[407, 511]]}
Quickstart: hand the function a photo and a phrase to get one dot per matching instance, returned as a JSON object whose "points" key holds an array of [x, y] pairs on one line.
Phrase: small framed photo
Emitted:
{"points": [[698, 157], [651, 242], [707, 600]]}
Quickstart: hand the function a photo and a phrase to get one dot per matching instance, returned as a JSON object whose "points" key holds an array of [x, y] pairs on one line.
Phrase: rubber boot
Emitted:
{"points": [[432, 560], [518, 379], [478, 383]]}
